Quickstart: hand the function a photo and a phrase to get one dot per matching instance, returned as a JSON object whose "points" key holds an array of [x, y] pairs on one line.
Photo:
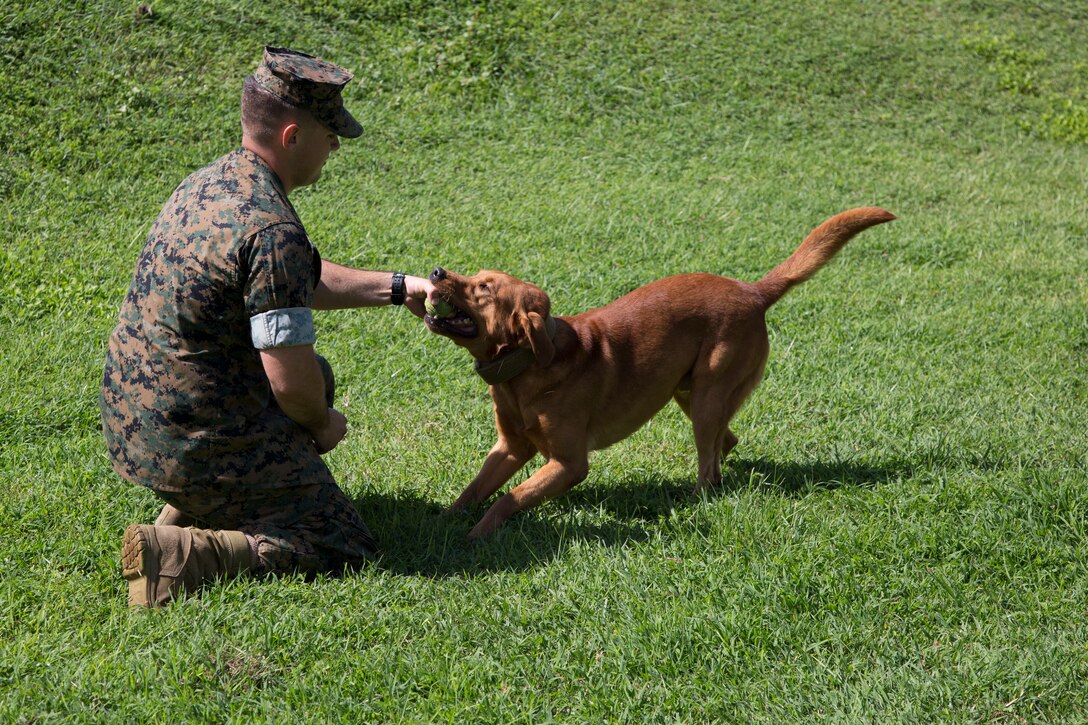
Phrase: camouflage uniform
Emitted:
{"points": [[187, 409]]}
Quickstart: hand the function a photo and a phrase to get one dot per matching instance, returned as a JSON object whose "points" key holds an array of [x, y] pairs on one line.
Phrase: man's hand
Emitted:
{"points": [[416, 290], [299, 388], [326, 438]]}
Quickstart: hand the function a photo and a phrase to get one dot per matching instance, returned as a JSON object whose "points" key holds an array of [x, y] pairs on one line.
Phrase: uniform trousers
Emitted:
{"points": [[308, 527]]}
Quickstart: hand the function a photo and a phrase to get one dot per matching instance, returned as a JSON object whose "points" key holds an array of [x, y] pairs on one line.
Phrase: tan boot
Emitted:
{"points": [[160, 562], [170, 516]]}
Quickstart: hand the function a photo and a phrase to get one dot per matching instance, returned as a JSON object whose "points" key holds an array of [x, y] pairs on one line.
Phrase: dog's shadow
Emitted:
{"points": [[418, 539]]}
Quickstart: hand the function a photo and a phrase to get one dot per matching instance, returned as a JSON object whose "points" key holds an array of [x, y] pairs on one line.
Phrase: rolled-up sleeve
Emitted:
{"points": [[282, 273], [282, 328]]}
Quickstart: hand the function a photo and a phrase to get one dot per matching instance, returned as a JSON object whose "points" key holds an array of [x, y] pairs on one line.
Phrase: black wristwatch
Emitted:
{"points": [[396, 291]]}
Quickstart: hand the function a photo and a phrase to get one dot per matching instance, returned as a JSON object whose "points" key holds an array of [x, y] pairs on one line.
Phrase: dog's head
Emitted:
{"points": [[490, 314]]}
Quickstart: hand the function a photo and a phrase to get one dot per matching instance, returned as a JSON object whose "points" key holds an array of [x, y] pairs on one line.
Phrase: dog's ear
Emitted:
{"points": [[535, 332], [527, 320]]}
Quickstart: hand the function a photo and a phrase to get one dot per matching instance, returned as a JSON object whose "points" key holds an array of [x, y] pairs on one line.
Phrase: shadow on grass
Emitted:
{"points": [[416, 538], [798, 479]]}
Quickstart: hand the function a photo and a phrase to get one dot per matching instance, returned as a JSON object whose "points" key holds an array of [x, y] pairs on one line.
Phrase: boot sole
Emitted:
{"points": [[139, 564]]}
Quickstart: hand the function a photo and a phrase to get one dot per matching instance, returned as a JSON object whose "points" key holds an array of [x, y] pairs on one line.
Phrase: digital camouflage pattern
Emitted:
{"points": [[186, 407], [311, 83]]}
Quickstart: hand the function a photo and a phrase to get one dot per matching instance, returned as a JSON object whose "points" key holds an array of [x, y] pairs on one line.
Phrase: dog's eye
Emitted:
{"points": [[484, 287]]}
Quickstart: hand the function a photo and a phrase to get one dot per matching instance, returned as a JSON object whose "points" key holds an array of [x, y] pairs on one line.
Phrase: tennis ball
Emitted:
{"points": [[441, 308]]}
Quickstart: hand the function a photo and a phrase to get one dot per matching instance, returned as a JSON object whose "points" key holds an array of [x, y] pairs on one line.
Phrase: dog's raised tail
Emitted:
{"points": [[819, 246]]}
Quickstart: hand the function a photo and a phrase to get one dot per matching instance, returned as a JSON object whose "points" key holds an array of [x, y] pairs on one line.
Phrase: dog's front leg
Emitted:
{"points": [[505, 459], [553, 478]]}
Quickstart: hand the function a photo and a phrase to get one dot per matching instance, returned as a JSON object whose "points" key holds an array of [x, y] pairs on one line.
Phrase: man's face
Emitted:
{"points": [[315, 142]]}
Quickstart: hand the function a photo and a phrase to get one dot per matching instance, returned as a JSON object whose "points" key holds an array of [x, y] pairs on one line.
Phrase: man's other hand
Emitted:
{"points": [[326, 438]]}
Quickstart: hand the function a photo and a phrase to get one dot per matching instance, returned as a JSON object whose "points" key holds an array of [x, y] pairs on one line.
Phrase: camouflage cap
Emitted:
{"points": [[311, 83]]}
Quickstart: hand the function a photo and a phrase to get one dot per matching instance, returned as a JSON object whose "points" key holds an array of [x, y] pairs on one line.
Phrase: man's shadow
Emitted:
{"points": [[417, 539]]}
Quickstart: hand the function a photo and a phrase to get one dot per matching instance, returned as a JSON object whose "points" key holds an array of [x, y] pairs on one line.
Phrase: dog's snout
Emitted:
{"points": [[438, 274]]}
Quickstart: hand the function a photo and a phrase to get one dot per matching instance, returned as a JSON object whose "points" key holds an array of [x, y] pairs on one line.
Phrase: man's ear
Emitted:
{"points": [[289, 135], [535, 331]]}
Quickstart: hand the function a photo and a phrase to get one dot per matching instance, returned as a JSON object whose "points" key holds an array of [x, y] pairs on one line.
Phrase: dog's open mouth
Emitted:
{"points": [[451, 321]]}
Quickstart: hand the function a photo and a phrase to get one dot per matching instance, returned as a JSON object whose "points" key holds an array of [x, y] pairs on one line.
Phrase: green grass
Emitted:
{"points": [[902, 532]]}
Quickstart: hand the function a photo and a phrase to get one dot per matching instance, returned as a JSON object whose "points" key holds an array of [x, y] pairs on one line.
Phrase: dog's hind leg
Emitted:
{"points": [[711, 408], [710, 423]]}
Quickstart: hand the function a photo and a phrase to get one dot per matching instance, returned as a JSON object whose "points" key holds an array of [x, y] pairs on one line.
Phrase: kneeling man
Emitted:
{"points": [[213, 396]]}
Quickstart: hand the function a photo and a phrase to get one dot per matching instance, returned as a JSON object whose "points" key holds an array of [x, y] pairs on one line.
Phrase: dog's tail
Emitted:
{"points": [[819, 246]]}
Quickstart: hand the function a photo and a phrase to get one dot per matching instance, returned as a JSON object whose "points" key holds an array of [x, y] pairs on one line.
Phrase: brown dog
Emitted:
{"points": [[563, 386]]}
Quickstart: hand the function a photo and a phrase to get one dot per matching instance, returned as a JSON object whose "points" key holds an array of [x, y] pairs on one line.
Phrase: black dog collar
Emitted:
{"points": [[507, 367]]}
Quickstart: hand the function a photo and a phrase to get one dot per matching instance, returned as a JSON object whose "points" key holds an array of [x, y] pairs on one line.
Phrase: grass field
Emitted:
{"points": [[902, 533]]}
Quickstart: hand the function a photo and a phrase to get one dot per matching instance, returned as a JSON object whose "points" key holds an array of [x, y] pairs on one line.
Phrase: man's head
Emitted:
{"points": [[293, 114], [303, 81]]}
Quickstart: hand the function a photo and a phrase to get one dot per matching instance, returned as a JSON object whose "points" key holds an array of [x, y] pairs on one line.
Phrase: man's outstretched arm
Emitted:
{"points": [[343, 287]]}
